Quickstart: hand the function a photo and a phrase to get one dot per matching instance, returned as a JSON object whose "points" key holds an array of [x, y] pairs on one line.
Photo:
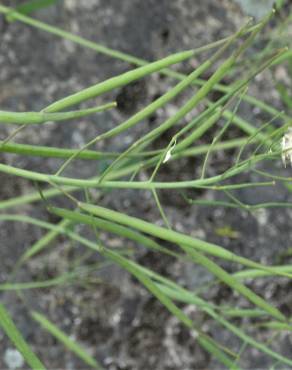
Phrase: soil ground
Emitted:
{"points": [[115, 318]]}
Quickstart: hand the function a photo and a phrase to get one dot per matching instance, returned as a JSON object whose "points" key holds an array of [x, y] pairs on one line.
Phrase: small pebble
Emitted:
{"points": [[13, 359]]}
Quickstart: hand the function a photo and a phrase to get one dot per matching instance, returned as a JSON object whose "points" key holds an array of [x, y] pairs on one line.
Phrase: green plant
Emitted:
{"points": [[260, 144]]}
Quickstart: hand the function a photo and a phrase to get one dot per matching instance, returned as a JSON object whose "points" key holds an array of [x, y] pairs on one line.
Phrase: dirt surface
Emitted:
{"points": [[113, 317]]}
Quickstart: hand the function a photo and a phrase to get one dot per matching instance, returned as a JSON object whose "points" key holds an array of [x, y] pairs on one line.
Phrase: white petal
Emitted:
{"points": [[167, 156]]}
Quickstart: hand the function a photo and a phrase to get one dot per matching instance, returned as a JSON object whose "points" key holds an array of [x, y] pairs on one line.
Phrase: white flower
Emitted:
{"points": [[168, 153], [287, 147], [167, 156]]}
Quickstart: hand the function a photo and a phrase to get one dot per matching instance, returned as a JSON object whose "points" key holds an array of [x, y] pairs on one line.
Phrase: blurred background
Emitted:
{"points": [[113, 317]]}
